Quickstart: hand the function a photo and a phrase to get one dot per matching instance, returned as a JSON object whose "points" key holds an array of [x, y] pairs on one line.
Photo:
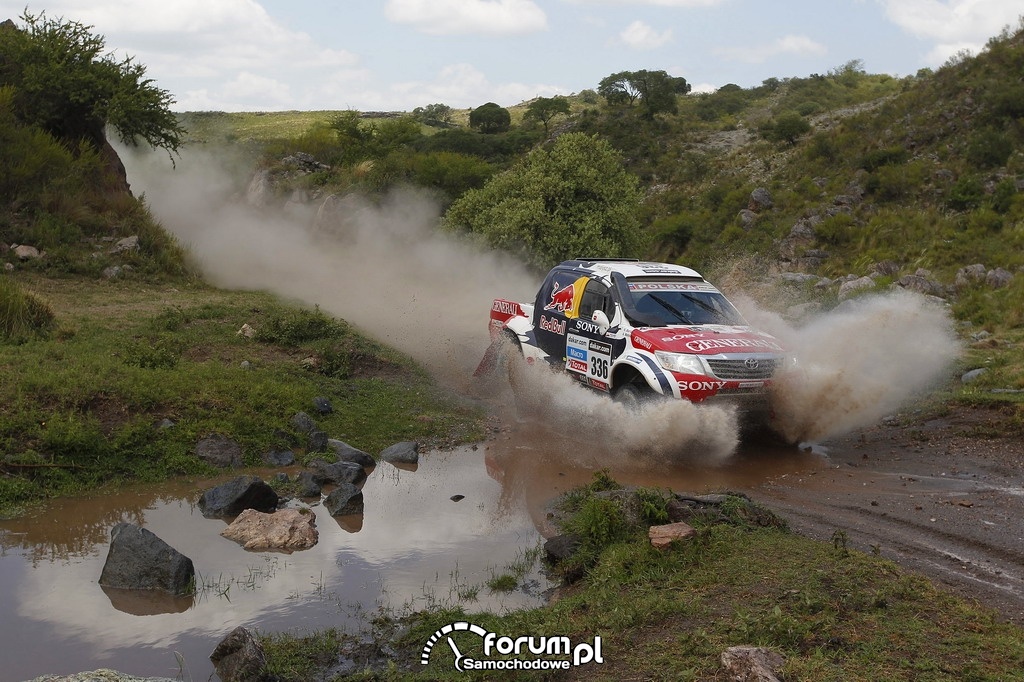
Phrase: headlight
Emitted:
{"points": [[680, 362]]}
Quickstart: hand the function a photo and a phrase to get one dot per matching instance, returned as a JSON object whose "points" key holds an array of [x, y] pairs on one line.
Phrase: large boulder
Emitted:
{"points": [[139, 560], [344, 500], [751, 664], [402, 453], [347, 453], [240, 658], [286, 530], [335, 473], [237, 495], [220, 451]]}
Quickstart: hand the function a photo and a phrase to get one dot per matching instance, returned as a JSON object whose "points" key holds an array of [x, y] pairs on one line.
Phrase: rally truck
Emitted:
{"points": [[636, 331]]}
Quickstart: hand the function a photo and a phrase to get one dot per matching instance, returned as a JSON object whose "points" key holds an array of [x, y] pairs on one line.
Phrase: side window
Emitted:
{"points": [[595, 297]]}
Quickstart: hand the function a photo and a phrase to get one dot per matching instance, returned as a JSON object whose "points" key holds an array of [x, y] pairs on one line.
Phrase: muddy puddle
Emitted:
{"points": [[413, 547]]}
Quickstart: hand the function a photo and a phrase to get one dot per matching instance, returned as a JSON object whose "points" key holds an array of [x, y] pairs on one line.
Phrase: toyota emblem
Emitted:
{"points": [[751, 363]]}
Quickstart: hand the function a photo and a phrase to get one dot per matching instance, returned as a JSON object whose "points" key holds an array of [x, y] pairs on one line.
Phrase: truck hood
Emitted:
{"points": [[706, 339]]}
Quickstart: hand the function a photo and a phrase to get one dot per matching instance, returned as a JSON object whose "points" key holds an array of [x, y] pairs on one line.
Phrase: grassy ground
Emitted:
{"points": [[832, 613], [79, 408]]}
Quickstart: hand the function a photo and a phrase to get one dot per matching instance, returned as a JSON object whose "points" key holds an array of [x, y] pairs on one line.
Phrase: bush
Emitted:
{"points": [[989, 148], [22, 314], [295, 327]]}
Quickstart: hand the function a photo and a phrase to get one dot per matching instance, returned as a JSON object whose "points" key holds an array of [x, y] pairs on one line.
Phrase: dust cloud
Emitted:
{"points": [[386, 269], [858, 363]]}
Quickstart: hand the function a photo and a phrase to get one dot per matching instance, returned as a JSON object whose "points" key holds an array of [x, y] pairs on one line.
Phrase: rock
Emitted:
{"points": [[886, 268], [26, 252], [303, 423], [561, 547], [278, 457], [246, 365], [797, 277], [457, 498], [9, 267], [347, 453], [112, 272], [322, 405], [220, 451], [126, 244], [998, 278], [316, 441], [747, 218], [139, 560], [165, 423], [246, 331], [240, 658], [760, 199], [921, 284], [344, 500], [972, 375], [337, 472], [287, 530], [848, 289], [663, 536], [307, 485], [751, 664], [237, 495], [970, 274], [406, 452]]}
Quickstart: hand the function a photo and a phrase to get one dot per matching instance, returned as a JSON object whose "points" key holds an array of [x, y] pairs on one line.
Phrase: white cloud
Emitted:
{"points": [[755, 54], [655, 3], [452, 17], [641, 36], [463, 86], [953, 25]]}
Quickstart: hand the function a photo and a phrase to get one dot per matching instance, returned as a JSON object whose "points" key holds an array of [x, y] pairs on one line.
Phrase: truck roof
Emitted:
{"points": [[629, 268]]}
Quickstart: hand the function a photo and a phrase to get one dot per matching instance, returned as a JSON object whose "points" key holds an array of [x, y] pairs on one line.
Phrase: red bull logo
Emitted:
{"points": [[561, 299]]}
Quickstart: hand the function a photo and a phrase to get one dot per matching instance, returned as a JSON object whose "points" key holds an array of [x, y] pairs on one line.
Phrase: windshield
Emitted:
{"points": [[664, 302]]}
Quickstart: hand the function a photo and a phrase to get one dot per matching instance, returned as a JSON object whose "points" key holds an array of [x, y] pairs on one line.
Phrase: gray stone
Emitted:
{"points": [[752, 664], [307, 485], [921, 284], [998, 278], [26, 252], [239, 657], [406, 452], [337, 472], [139, 560], [970, 274], [303, 423], [126, 244], [237, 495], [322, 405], [848, 289], [316, 441], [220, 451], [347, 453], [286, 530], [279, 457], [760, 199], [973, 375], [747, 218], [344, 500], [886, 268]]}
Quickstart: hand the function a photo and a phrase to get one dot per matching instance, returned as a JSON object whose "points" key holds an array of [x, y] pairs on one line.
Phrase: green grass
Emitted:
{"points": [[833, 613], [80, 407]]}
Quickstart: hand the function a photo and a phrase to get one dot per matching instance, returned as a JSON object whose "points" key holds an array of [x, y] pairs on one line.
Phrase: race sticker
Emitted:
{"points": [[599, 361], [577, 354]]}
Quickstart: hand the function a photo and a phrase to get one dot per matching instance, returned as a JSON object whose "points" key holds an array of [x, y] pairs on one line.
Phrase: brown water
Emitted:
{"points": [[413, 547]]}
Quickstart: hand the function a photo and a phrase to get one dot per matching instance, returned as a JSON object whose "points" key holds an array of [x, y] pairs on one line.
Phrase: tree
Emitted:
{"points": [[574, 199], [436, 115], [490, 118], [655, 90], [63, 83], [788, 127], [544, 109]]}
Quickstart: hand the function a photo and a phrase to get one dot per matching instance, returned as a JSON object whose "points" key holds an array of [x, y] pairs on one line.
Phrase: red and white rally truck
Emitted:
{"points": [[637, 330]]}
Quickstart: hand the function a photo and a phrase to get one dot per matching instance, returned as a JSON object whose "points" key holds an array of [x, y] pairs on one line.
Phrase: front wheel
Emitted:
{"points": [[634, 396]]}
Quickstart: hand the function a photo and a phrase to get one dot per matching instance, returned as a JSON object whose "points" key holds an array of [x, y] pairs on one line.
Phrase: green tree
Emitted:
{"points": [[655, 90], [63, 83], [544, 109], [490, 118], [788, 127], [574, 199], [435, 115]]}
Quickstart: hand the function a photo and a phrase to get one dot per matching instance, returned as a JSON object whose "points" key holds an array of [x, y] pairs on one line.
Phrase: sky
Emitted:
{"points": [[396, 55]]}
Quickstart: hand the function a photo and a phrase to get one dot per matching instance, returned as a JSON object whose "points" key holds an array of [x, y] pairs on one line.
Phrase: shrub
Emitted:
{"points": [[989, 148], [295, 327], [22, 314]]}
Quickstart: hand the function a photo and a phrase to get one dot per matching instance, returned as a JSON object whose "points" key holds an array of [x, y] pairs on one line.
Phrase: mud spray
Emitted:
{"points": [[385, 268]]}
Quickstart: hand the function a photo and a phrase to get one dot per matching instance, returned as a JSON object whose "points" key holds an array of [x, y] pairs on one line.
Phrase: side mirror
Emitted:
{"points": [[600, 318]]}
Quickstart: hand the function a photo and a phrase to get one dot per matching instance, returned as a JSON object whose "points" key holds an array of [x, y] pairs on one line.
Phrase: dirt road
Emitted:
{"points": [[940, 496]]}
